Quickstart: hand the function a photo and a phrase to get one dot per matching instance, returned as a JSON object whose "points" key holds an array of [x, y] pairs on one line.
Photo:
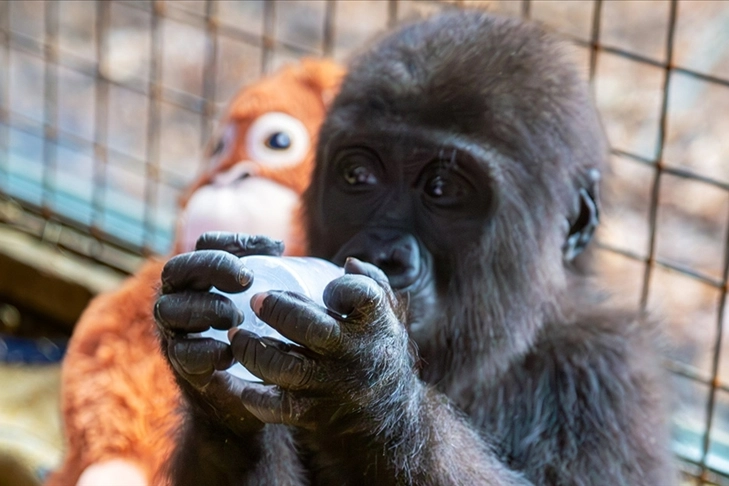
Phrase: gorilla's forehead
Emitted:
{"points": [[491, 77], [405, 139], [469, 113], [404, 129], [476, 108]]}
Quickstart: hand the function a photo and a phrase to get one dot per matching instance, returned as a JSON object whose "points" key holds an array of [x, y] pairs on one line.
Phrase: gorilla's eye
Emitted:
{"points": [[441, 186], [357, 167], [446, 188], [357, 175], [436, 187], [279, 141]]}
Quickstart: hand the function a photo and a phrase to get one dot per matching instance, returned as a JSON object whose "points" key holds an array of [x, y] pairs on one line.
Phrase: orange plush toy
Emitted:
{"points": [[119, 399]]}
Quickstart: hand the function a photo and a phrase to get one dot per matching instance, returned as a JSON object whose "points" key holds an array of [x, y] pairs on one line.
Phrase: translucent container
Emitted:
{"points": [[304, 275]]}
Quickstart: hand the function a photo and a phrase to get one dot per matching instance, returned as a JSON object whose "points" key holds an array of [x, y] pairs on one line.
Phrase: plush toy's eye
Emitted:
{"points": [[218, 148], [277, 140], [222, 143]]}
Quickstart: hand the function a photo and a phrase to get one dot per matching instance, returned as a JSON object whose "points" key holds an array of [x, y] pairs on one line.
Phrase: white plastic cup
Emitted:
{"points": [[304, 275]]}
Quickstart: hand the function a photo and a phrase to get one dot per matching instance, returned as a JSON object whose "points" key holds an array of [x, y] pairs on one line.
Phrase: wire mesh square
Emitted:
{"points": [[105, 107]]}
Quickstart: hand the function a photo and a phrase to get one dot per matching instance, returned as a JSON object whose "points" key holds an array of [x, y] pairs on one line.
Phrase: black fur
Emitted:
{"points": [[459, 156]]}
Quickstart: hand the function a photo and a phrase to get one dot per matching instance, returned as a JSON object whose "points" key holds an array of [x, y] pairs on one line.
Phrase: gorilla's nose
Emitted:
{"points": [[395, 252]]}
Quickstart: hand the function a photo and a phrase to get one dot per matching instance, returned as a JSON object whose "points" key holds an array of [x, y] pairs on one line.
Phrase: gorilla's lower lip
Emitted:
{"points": [[412, 288], [419, 281]]}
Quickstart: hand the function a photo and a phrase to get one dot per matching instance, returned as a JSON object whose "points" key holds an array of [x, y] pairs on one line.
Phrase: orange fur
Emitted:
{"points": [[118, 396], [302, 91], [119, 399]]}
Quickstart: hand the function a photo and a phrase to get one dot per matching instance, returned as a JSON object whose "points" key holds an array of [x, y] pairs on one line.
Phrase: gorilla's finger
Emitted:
{"points": [[271, 360], [240, 244], [355, 266], [271, 404], [354, 296], [197, 359], [299, 319], [200, 270], [222, 392], [196, 312]]}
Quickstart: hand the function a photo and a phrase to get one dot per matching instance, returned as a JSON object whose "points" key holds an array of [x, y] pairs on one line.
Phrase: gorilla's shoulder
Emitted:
{"points": [[611, 343]]}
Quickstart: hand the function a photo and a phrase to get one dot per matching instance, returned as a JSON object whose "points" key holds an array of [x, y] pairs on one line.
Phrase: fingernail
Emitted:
{"points": [[231, 333], [239, 317], [245, 275], [257, 301], [180, 354]]}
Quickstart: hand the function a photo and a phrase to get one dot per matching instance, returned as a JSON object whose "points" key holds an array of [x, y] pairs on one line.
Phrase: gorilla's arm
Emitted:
{"points": [[220, 441], [431, 444], [351, 389], [582, 406], [210, 454]]}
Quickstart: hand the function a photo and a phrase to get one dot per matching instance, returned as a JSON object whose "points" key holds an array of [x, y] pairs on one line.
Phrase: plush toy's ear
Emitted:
{"points": [[583, 225], [323, 75]]}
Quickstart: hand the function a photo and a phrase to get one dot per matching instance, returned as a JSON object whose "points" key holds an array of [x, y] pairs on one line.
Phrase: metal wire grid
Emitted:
{"points": [[701, 471], [66, 232]]}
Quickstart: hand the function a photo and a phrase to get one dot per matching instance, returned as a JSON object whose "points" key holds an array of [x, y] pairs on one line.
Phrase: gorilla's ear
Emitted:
{"points": [[582, 227]]}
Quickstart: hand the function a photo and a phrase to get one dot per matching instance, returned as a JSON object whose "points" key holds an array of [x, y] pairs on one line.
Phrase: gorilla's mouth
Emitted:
{"points": [[402, 273], [396, 253]]}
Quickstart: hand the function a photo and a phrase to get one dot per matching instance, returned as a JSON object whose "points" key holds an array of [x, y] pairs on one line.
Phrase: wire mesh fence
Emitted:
{"points": [[105, 107]]}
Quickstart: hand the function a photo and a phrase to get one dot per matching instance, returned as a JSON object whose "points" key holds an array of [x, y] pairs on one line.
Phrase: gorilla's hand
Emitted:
{"points": [[186, 306], [352, 360]]}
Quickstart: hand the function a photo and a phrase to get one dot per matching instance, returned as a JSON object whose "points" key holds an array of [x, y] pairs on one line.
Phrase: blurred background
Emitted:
{"points": [[105, 108]]}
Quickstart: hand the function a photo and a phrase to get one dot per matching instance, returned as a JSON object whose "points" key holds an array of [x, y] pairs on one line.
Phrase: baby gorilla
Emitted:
{"points": [[462, 157]]}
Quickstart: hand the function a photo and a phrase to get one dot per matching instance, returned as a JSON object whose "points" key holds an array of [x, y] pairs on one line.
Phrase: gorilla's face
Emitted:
{"points": [[463, 173], [411, 201]]}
